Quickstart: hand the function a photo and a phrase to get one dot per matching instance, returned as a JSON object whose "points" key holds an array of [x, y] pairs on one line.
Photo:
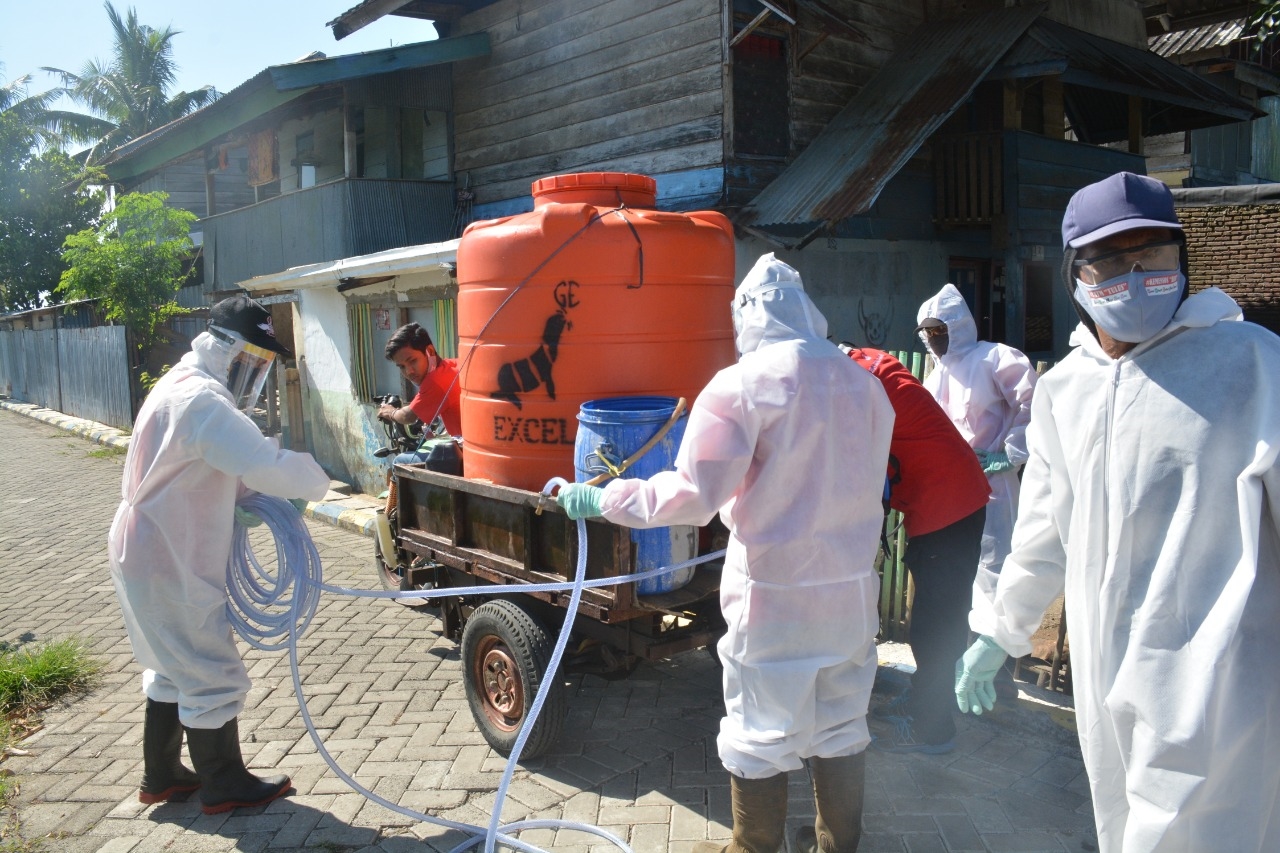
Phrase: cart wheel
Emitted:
{"points": [[505, 652]]}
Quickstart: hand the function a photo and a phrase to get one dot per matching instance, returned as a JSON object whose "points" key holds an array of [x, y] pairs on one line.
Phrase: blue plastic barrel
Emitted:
{"points": [[613, 429]]}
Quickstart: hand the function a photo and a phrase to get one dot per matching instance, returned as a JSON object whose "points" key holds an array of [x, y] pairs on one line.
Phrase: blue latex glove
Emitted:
{"points": [[247, 519], [976, 674], [578, 500], [994, 461], [300, 504]]}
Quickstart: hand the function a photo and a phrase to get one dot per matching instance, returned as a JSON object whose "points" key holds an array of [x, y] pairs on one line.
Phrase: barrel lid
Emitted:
{"points": [[626, 181]]}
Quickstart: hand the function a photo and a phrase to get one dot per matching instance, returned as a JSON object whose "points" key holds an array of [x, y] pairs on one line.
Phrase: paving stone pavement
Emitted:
{"points": [[638, 758]]}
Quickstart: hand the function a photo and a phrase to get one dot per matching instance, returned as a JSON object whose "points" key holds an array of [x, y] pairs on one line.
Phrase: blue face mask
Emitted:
{"points": [[1134, 306]]}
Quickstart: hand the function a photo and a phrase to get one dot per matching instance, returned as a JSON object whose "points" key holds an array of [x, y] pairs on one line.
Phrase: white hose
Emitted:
{"points": [[265, 607]]}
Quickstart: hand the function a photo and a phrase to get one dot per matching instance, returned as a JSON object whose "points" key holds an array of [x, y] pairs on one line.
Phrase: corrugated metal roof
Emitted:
{"points": [[845, 168], [279, 84], [1196, 39], [1100, 75], [318, 72]]}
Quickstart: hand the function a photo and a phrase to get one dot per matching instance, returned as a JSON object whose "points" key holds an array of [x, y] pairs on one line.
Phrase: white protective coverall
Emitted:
{"points": [[986, 390], [1153, 494], [169, 543], [790, 446]]}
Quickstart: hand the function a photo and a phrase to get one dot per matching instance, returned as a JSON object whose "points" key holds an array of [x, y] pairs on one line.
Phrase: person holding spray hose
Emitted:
{"points": [[789, 446], [194, 451]]}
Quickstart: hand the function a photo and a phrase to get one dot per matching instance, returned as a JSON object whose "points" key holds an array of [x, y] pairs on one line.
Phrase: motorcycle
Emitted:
{"points": [[393, 565]]}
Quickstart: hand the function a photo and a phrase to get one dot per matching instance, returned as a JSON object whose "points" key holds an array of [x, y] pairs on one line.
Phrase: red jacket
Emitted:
{"points": [[940, 477]]}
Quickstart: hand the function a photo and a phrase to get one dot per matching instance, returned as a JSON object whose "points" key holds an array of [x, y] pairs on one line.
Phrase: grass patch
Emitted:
{"points": [[107, 452], [32, 679]]}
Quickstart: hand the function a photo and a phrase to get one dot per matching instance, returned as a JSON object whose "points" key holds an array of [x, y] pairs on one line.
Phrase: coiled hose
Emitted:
{"points": [[271, 611]]}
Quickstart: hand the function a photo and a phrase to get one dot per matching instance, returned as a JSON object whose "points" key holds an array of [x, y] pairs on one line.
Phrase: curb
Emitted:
{"points": [[349, 512]]}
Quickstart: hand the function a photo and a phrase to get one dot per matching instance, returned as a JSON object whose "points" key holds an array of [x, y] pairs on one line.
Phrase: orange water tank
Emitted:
{"points": [[592, 294]]}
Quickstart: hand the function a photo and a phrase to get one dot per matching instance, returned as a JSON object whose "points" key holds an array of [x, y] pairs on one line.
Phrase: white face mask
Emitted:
{"points": [[1134, 306]]}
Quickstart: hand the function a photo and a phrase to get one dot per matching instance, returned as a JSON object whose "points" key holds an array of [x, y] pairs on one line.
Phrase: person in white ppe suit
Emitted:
{"points": [[985, 388], [789, 445], [193, 452], [1152, 496]]}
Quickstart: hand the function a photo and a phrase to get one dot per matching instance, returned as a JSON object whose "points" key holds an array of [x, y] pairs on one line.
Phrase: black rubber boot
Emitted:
{"points": [[838, 785], [163, 774], [759, 816], [225, 783]]}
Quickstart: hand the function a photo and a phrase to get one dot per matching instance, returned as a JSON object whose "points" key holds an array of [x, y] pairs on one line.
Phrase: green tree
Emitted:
{"points": [[44, 196], [128, 95], [134, 262]]}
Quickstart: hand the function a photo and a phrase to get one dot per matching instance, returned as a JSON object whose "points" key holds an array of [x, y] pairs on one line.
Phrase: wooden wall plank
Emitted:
{"points": [[573, 85]]}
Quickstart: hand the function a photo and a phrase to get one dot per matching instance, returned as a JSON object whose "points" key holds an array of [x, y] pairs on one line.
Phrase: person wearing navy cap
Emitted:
{"points": [[1152, 497]]}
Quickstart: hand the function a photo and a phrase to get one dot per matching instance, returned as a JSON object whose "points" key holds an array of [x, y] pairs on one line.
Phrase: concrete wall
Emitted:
{"points": [[869, 290], [342, 431]]}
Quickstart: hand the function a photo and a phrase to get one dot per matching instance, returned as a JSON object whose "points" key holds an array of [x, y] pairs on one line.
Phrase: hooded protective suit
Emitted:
{"points": [[1153, 493], [169, 543], [789, 446], [986, 389]]}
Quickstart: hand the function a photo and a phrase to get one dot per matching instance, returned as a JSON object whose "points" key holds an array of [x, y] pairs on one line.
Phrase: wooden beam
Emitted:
{"points": [[1135, 124], [363, 15], [746, 31]]}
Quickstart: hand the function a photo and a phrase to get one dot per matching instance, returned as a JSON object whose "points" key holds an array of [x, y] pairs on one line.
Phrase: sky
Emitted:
{"points": [[221, 44]]}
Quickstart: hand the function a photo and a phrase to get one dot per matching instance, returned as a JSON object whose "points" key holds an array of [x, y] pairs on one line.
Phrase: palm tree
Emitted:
{"points": [[128, 96], [28, 117]]}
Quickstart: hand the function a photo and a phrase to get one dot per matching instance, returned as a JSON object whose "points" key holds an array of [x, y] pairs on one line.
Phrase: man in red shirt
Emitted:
{"points": [[940, 489], [411, 349]]}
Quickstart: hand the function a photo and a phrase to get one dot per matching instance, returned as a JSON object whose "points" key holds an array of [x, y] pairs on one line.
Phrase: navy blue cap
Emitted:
{"points": [[1122, 202]]}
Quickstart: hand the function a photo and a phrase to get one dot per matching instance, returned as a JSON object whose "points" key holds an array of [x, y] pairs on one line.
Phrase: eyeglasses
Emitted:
{"points": [[934, 331], [1152, 257]]}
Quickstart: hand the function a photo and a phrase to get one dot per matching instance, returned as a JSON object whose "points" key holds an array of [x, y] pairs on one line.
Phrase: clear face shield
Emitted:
{"points": [[247, 374]]}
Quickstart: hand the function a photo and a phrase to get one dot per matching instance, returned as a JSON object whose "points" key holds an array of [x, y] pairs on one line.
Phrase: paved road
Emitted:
{"points": [[638, 760]]}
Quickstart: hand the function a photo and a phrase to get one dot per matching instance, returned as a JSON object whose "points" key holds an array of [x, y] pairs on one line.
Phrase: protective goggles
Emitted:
{"points": [[1152, 257], [248, 375]]}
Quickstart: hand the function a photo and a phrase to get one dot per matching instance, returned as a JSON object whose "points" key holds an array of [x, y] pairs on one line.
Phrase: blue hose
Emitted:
{"points": [[271, 611]]}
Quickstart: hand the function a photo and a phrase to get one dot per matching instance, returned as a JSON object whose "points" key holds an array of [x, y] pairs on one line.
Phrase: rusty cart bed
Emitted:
{"points": [[456, 532]]}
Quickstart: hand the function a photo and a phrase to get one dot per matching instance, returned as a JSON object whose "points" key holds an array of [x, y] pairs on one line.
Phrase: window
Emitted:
{"points": [[761, 119]]}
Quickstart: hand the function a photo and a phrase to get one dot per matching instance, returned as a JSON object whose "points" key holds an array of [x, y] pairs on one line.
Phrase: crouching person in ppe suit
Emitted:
{"points": [[985, 388], [789, 445], [1152, 495], [939, 487], [193, 451]]}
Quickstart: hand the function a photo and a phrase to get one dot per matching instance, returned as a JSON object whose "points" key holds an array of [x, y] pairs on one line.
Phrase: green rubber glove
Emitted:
{"points": [[994, 461], [300, 504], [247, 519], [976, 675], [578, 500]]}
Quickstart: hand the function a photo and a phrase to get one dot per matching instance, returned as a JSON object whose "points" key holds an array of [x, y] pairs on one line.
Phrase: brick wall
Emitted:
{"points": [[1237, 248]]}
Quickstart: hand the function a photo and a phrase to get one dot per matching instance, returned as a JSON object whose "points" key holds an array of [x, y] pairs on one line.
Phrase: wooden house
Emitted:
{"points": [[303, 168], [882, 147], [1241, 153]]}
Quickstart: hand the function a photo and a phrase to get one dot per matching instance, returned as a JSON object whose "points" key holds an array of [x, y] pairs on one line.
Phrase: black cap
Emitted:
{"points": [[929, 323], [249, 320]]}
